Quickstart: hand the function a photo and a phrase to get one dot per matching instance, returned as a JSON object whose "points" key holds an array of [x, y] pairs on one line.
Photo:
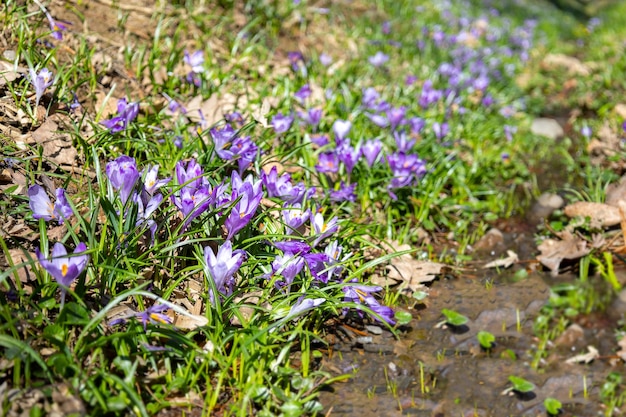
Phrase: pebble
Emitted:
{"points": [[374, 329], [549, 128]]}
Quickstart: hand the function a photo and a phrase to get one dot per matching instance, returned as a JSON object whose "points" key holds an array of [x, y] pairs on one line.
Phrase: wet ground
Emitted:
{"points": [[435, 370], [438, 371]]}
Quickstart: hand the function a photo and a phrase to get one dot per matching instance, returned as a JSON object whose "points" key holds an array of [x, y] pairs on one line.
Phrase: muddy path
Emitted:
{"points": [[435, 370]]}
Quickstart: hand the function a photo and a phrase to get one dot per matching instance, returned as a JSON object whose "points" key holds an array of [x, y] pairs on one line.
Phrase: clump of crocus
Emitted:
{"points": [[282, 187], [247, 197], [65, 269], [232, 147], [221, 268], [126, 113], [406, 170], [40, 81], [43, 208]]}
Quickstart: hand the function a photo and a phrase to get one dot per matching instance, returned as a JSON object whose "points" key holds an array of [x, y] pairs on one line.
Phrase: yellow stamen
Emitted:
{"points": [[64, 269], [157, 317]]}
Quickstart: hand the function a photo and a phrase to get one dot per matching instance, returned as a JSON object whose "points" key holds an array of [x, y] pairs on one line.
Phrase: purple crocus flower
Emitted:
{"points": [[288, 265], [370, 98], [303, 305], [586, 131], [294, 217], [126, 113], [65, 269], [297, 62], [154, 314], [349, 156], [196, 61], [509, 131], [370, 150], [222, 139], [395, 115], [325, 59], [334, 259], [122, 174], [190, 175], [281, 123], [151, 315], [410, 80], [146, 206], [405, 169], [416, 125], [344, 193], [327, 162], [244, 209], [320, 140], [441, 130], [43, 208], [41, 81], [379, 59], [192, 202], [244, 151], [403, 141], [222, 268], [362, 294], [323, 229], [303, 93], [312, 117], [151, 182], [341, 128], [57, 27]]}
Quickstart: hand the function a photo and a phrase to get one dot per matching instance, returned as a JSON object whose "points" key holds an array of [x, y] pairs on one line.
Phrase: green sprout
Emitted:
{"points": [[485, 339], [553, 406], [453, 318], [520, 385]]}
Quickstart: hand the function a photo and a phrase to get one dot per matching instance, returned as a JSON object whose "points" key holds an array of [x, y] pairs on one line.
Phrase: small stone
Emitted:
{"points": [[492, 241], [549, 128], [570, 336], [374, 329], [9, 55]]}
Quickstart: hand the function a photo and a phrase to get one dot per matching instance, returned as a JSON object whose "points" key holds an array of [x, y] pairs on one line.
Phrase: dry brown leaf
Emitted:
{"points": [[600, 214], [505, 262], [616, 192], [568, 63], [585, 357], [411, 273], [211, 110], [554, 251], [57, 146]]}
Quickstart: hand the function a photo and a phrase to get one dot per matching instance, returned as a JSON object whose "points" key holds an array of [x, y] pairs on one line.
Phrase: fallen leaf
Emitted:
{"points": [[599, 213], [564, 62], [411, 273], [57, 146], [585, 357], [505, 262], [554, 251]]}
